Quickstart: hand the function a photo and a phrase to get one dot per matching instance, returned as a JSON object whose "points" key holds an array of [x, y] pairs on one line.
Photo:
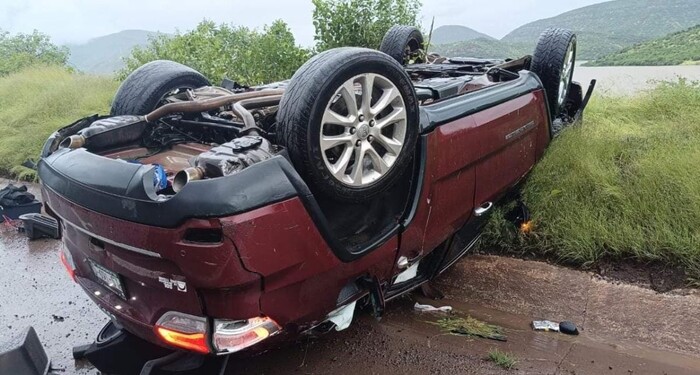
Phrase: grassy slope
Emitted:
{"points": [[36, 102], [675, 49], [623, 185], [610, 26]]}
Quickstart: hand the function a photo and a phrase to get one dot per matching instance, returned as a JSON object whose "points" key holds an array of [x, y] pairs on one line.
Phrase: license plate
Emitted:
{"points": [[109, 279]]}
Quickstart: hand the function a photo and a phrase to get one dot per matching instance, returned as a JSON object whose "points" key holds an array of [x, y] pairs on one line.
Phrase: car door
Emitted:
{"points": [[470, 163], [508, 143]]}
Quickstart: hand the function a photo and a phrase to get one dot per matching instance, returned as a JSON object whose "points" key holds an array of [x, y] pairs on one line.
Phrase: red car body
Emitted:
{"points": [[274, 259]]}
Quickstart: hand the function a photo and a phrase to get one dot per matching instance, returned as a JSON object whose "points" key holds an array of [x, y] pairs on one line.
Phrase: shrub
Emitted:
{"points": [[247, 56], [20, 51], [360, 23]]}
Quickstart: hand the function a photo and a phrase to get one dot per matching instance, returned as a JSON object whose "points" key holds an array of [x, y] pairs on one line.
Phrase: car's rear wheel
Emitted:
{"points": [[404, 44], [146, 87], [349, 119], [554, 61]]}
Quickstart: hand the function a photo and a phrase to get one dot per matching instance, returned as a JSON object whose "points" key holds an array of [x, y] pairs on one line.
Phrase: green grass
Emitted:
{"points": [[503, 359], [37, 101], [625, 184], [468, 326]]}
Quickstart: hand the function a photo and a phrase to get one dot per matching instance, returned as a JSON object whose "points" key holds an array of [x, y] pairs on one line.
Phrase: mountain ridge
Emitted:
{"points": [[448, 34], [682, 47], [104, 54]]}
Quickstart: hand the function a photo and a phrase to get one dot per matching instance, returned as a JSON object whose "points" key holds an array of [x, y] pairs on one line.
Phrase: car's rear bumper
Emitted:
{"points": [[125, 190]]}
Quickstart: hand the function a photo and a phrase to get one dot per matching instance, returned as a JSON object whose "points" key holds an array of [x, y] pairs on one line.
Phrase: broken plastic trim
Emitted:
{"points": [[342, 316]]}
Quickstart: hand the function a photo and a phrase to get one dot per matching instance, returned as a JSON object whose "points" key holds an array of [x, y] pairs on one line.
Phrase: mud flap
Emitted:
{"points": [[24, 355]]}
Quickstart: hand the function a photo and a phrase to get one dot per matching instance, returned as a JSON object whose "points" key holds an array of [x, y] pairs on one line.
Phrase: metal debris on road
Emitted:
{"points": [[566, 327], [430, 308]]}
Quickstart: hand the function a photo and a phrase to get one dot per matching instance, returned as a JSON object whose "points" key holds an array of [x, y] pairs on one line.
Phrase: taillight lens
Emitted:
{"points": [[231, 336], [67, 260], [183, 331]]}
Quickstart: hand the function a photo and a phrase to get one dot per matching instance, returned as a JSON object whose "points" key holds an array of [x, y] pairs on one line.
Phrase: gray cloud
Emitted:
{"points": [[78, 20]]}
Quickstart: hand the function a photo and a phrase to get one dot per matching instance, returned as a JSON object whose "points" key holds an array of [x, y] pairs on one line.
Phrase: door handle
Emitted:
{"points": [[483, 209]]}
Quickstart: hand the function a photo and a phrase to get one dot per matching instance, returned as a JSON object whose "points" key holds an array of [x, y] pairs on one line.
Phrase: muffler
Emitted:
{"points": [[225, 160], [74, 141], [186, 175]]}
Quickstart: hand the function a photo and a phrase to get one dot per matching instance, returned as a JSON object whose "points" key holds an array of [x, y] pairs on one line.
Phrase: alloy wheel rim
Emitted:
{"points": [[363, 130], [566, 74]]}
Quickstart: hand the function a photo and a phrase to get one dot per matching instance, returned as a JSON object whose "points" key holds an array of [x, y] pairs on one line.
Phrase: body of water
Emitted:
{"points": [[626, 80]]}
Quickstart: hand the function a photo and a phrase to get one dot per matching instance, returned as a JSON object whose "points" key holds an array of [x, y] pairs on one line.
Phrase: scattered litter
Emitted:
{"points": [[430, 308], [566, 327], [545, 325], [471, 327]]}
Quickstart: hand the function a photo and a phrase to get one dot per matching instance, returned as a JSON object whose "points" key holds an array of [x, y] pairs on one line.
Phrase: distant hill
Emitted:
{"points": [[456, 33], [611, 26], [678, 48], [104, 55], [482, 48]]}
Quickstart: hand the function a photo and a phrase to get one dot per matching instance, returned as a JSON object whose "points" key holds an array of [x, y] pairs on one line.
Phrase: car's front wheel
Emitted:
{"points": [[349, 119]]}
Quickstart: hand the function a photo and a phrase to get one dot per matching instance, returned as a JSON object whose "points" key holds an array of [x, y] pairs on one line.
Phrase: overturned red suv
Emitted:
{"points": [[212, 219]]}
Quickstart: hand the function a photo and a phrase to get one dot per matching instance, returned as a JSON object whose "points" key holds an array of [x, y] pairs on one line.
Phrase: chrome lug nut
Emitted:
{"points": [[372, 122], [370, 138], [358, 143], [362, 117], [353, 130]]}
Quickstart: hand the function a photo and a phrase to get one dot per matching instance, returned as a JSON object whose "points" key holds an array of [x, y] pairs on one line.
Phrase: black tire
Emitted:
{"points": [[304, 103], [403, 43], [548, 62], [144, 89]]}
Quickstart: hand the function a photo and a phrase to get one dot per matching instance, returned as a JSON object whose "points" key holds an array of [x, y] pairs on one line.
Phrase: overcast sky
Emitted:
{"points": [[70, 21]]}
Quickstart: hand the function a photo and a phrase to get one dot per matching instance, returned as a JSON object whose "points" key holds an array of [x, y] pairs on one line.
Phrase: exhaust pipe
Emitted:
{"points": [[186, 175], [72, 142]]}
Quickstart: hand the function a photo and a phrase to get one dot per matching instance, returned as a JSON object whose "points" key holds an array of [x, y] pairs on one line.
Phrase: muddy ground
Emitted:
{"points": [[625, 328]]}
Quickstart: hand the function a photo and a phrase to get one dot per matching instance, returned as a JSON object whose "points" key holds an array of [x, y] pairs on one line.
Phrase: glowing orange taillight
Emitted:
{"points": [[191, 341], [183, 331]]}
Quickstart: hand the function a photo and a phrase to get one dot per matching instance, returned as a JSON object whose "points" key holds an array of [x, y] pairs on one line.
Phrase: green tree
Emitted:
{"points": [[247, 56], [23, 50], [360, 23]]}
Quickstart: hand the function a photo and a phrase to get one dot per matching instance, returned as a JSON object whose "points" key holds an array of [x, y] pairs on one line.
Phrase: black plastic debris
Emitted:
{"points": [[24, 355], [16, 201], [37, 226], [568, 328], [116, 351]]}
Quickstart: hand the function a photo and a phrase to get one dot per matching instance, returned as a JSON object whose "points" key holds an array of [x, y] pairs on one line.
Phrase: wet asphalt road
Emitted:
{"points": [[625, 329]]}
